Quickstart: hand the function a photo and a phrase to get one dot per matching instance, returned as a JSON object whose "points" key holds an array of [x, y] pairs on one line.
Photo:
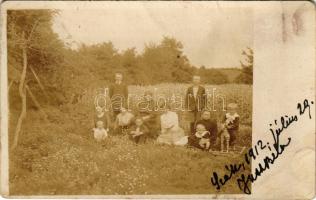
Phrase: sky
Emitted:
{"points": [[212, 35]]}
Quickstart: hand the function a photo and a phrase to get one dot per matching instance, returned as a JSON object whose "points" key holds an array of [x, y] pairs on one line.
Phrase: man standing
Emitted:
{"points": [[118, 93], [195, 100]]}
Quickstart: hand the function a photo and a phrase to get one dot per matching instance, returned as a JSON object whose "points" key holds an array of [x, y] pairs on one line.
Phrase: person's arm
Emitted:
{"points": [[110, 91], [203, 98], [132, 119], [125, 92], [108, 121], [175, 119], [94, 120], [236, 123], [132, 131], [214, 130], [146, 130], [116, 123], [187, 96]]}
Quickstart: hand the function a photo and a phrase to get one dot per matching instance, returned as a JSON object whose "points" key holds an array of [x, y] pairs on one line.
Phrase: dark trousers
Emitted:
{"points": [[194, 116], [139, 139], [233, 135]]}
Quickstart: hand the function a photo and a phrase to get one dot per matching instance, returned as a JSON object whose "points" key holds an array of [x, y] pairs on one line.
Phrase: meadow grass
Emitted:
{"points": [[60, 156]]}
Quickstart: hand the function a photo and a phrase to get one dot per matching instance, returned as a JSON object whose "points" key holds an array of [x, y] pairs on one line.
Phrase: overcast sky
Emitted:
{"points": [[211, 35]]}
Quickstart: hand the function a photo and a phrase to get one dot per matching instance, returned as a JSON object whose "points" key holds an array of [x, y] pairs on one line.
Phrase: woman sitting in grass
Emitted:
{"points": [[171, 133], [146, 110]]}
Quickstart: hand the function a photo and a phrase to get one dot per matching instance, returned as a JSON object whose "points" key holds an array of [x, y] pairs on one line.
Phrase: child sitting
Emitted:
{"points": [[230, 127], [123, 121], [99, 132], [203, 137], [139, 131]]}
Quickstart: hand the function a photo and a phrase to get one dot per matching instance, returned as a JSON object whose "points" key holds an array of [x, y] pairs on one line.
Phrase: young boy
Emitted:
{"points": [[123, 121], [230, 125], [99, 132], [203, 136], [139, 131]]}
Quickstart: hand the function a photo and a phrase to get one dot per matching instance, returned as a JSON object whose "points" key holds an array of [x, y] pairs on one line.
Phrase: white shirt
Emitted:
{"points": [[124, 119], [169, 119], [230, 118]]}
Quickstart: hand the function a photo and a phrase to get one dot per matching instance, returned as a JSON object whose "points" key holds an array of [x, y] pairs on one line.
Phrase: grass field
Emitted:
{"points": [[59, 156]]}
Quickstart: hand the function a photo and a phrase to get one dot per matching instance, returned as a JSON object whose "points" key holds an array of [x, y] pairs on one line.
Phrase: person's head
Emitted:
{"points": [[99, 124], [118, 76], [200, 128], [138, 121], [123, 110], [232, 108], [206, 115], [196, 80], [99, 109]]}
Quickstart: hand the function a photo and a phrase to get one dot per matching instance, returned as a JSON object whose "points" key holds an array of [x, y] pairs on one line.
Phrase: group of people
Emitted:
{"points": [[162, 125]]}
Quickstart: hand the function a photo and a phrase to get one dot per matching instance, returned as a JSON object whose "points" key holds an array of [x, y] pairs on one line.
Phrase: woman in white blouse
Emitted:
{"points": [[171, 133]]}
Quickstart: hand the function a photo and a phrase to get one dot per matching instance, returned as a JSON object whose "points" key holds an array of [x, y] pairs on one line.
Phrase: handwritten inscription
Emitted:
{"points": [[275, 150]]}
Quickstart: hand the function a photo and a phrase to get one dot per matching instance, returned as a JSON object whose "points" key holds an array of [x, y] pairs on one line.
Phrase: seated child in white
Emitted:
{"points": [[99, 132], [203, 136]]}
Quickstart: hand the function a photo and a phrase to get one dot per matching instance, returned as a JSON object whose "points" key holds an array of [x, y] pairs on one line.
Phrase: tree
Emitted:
{"points": [[246, 75], [166, 62], [28, 33]]}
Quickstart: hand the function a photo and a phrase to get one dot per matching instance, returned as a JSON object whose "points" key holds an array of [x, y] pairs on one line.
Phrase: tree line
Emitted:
{"points": [[44, 68]]}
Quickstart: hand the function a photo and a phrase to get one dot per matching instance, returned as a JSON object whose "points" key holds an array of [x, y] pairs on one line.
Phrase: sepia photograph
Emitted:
{"points": [[127, 100], [133, 98]]}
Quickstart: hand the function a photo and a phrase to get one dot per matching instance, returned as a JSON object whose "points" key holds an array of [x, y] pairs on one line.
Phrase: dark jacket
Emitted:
{"points": [[118, 94], [210, 126], [198, 103]]}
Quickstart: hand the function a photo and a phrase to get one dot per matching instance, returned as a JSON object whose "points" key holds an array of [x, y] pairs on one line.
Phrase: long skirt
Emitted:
{"points": [[174, 136]]}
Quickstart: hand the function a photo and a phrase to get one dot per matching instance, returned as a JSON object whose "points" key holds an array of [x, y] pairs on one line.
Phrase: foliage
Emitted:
{"points": [[44, 49], [247, 68], [59, 156]]}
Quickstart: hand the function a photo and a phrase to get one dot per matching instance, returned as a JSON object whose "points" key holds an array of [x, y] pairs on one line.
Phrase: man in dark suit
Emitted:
{"points": [[195, 100], [118, 93]]}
